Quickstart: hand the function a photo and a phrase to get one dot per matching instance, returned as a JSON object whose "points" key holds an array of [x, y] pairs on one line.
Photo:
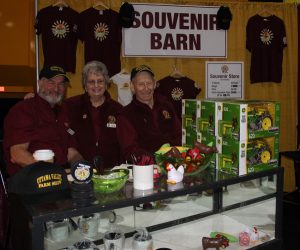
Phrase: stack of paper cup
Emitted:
{"points": [[44, 155], [143, 177]]}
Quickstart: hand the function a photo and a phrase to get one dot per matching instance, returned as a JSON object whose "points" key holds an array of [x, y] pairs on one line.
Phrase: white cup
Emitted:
{"points": [[44, 155], [114, 240], [143, 177]]}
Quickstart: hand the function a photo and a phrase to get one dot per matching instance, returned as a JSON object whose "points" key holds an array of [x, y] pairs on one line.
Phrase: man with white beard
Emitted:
{"points": [[34, 124]]}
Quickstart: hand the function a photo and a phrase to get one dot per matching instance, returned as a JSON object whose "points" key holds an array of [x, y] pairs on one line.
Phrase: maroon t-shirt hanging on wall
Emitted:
{"points": [[176, 89], [266, 39], [101, 32], [58, 27]]}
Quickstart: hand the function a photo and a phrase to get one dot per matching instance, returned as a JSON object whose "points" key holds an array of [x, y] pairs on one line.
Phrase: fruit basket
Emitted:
{"points": [[192, 159]]}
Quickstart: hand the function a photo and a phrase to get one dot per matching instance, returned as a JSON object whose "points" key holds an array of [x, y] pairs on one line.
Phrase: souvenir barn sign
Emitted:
{"points": [[162, 30]]}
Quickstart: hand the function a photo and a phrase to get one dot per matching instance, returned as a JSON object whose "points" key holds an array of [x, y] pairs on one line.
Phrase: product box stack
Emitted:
{"points": [[248, 136], [246, 133], [191, 109], [199, 122]]}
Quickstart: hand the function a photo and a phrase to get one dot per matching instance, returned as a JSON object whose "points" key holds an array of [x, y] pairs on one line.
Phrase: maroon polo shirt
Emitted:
{"points": [[142, 129], [176, 89], [34, 121], [94, 129]]}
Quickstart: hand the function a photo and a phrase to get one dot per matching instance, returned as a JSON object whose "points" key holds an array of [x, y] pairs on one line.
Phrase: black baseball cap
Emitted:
{"points": [[224, 18], [52, 71], [139, 69], [40, 182], [126, 15]]}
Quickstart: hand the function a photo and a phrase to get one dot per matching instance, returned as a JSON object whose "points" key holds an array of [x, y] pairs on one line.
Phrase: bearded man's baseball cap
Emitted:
{"points": [[52, 71]]}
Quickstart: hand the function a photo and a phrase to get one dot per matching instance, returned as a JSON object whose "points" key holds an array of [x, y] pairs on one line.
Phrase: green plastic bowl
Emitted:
{"points": [[112, 181]]}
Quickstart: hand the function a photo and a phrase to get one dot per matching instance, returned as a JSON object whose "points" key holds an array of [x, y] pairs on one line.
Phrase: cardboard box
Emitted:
{"points": [[243, 157], [243, 120], [206, 121], [189, 136], [190, 111], [210, 140]]}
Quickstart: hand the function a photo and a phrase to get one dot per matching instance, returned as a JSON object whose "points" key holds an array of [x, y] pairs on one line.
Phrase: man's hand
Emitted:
{"points": [[20, 154], [28, 96], [73, 155]]}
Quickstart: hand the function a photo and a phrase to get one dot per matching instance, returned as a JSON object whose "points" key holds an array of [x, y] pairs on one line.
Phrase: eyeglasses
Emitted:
{"points": [[96, 82]]}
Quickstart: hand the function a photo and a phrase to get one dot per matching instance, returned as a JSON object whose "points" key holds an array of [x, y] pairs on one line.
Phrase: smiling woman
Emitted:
{"points": [[91, 117]]}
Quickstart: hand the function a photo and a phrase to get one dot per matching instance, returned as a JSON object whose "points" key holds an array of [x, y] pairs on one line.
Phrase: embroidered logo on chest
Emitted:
{"points": [[60, 29], [111, 121], [177, 94], [166, 114], [266, 36], [101, 31]]}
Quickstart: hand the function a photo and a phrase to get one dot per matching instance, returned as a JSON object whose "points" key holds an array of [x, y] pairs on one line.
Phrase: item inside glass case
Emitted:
{"points": [[114, 239], [58, 230], [83, 244], [142, 240], [88, 224]]}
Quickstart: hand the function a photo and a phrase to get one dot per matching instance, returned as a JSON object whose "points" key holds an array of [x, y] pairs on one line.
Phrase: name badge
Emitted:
{"points": [[111, 125], [70, 131]]}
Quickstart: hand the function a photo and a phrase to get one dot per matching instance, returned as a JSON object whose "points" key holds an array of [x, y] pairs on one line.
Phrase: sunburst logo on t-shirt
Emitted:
{"points": [[266, 36], [101, 31], [60, 29], [177, 94]]}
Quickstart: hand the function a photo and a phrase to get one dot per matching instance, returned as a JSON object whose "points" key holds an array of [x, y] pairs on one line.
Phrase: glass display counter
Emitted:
{"points": [[210, 195]]}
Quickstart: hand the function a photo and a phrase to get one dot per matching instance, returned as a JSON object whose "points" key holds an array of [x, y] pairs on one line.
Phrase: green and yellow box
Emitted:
{"points": [[243, 157], [245, 120], [189, 136], [191, 109], [208, 139], [207, 120]]}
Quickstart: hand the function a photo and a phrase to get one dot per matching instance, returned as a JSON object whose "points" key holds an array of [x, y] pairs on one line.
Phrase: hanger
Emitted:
{"points": [[176, 73], [265, 12], [124, 71], [60, 3], [98, 4]]}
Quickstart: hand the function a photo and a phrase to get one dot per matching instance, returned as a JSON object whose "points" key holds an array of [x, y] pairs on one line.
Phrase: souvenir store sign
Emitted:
{"points": [[175, 30], [224, 80]]}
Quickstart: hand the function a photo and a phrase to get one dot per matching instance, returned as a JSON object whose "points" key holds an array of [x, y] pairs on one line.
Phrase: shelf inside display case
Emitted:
{"points": [[209, 196]]}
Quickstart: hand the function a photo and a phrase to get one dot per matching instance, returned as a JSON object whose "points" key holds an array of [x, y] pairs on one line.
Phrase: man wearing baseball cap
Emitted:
{"points": [[33, 124], [149, 121]]}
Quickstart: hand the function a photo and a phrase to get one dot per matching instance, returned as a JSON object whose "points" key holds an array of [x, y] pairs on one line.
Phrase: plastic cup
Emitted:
{"points": [[44, 155], [143, 177]]}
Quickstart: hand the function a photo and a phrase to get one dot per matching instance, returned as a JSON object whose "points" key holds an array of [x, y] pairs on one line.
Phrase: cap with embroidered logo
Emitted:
{"points": [[141, 68], [40, 181], [52, 71]]}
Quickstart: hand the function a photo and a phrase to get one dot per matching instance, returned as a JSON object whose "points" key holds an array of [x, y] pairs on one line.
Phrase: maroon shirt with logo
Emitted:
{"points": [[101, 32], [58, 27], [141, 129], [176, 89], [266, 39], [94, 129], [34, 121]]}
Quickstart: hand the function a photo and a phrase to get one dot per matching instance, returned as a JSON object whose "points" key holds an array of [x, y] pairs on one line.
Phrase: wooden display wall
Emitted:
{"points": [[194, 68]]}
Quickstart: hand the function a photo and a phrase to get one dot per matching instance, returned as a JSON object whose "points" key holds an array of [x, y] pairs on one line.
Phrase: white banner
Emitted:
{"points": [[224, 80], [163, 30]]}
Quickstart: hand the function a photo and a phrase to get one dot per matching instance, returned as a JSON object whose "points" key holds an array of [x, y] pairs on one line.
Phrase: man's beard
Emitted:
{"points": [[50, 99]]}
